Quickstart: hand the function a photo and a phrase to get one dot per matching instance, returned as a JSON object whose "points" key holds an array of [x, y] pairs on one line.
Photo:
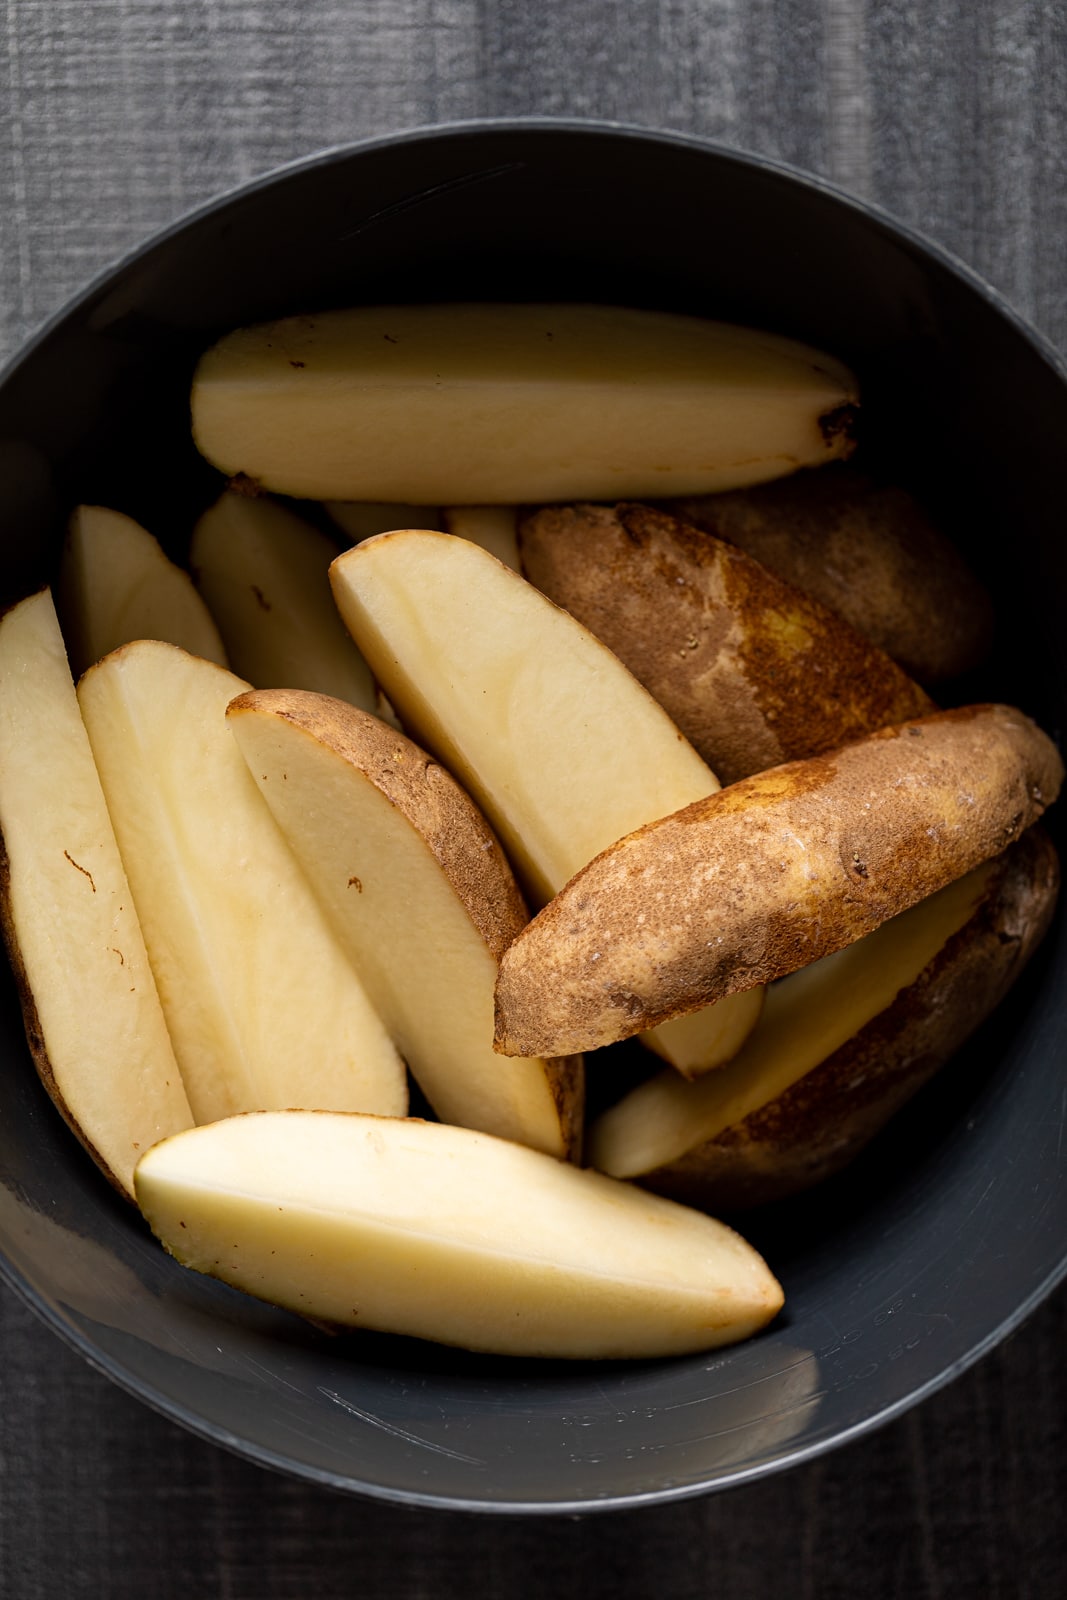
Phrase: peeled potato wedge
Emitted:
{"points": [[263, 1006], [93, 1019], [496, 404], [115, 584], [869, 552], [841, 1045], [418, 1228], [560, 746], [264, 573], [752, 671], [769, 875], [420, 896]]}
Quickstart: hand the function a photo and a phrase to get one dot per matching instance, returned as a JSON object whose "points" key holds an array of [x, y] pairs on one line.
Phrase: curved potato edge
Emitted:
{"points": [[823, 1121]]}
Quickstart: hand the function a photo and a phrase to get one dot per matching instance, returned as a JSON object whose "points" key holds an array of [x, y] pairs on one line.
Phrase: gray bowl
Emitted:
{"points": [[898, 1274]]}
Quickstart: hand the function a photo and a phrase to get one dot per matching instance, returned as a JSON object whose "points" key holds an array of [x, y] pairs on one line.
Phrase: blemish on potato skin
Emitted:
{"points": [[80, 868]]}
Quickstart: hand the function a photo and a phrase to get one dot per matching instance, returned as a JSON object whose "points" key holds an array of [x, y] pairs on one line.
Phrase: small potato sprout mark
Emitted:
{"points": [[355, 883]]}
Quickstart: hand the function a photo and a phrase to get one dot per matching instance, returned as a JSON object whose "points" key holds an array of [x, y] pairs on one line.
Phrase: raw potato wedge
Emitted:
{"points": [[362, 521], [869, 552], [841, 1045], [93, 1019], [499, 404], [418, 1228], [419, 895], [769, 875], [495, 528], [264, 1009], [752, 671], [264, 573], [561, 748], [115, 585]]}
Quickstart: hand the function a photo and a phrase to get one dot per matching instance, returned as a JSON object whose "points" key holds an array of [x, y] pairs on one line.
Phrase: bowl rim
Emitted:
{"points": [[869, 211]]}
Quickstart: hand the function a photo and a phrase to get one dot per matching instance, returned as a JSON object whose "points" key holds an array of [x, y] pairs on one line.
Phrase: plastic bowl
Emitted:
{"points": [[898, 1274]]}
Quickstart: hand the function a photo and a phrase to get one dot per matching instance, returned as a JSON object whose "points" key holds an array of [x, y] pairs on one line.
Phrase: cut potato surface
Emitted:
{"points": [[264, 572], [771, 874], [495, 528], [115, 585], [264, 1009], [419, 895], [752, 671], [360, 520], [507, 404], [841, 1045], [560, 746], [418, 1228], [93, 1019]]}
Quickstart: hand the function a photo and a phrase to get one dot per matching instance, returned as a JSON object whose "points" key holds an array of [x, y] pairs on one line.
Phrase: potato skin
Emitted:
{"points": [[751, 670], [770, 874], [869, 552], [823, 1121], [438, 808]]}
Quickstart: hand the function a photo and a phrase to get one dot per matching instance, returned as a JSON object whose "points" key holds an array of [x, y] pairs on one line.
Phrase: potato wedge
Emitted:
{"points": [[560, 746], [497, 404], [869, 552], [115, 585], [93, 1019], [265, 574], [841, 1045], [769, 875], [358, 520], [418, 1228], [493, 527], [752, 671], [420, 896], [264, 1008]]}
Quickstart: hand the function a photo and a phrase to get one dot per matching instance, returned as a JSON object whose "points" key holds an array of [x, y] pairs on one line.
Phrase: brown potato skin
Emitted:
{"points": [[751, 670], [437, 807], [869, 552], [770, 874], [824, 1120]]}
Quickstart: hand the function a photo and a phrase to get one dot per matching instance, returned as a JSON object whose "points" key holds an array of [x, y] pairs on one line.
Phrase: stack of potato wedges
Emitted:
{"points": [[614, 720]]}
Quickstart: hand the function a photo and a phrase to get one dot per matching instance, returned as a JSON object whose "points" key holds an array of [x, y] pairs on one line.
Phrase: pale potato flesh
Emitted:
{"points": [[263, 1007], [93, 1017], [264, 573], [563, 750], [501, 404], [806, 1017], [364, 811], [495, 528], [447, 1234], [362, 520], [115, 584]]}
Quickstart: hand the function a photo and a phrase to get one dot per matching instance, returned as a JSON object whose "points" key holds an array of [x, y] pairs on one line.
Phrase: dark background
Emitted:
{"points": [[117, 117]]}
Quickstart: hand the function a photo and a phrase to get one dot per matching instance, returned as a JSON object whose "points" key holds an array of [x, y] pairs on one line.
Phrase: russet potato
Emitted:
{"points": [[497, 404], [420, 896], [560, 746], [752, 671], [769, 875], [419, 1228], [841, 1045], [868, 551], [93, 1019]]}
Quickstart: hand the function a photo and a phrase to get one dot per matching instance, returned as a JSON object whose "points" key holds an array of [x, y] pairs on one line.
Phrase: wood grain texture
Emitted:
{"points": [[117, 117]]}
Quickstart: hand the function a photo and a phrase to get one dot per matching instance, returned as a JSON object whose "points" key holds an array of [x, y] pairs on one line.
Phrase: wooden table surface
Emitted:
{"points": [[116, 117]]}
